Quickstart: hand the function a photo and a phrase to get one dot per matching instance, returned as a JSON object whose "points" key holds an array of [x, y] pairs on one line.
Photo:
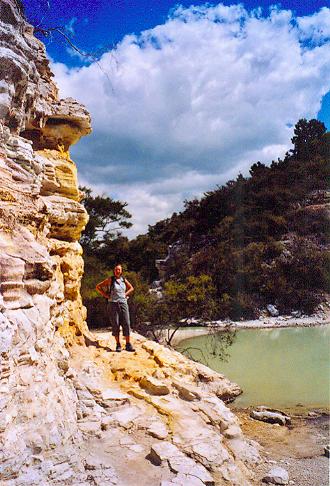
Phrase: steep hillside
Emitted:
{"points": [[263, 239]]}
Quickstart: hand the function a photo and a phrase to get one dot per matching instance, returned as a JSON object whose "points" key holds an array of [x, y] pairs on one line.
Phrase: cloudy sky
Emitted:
{"points": [[184, 98]]}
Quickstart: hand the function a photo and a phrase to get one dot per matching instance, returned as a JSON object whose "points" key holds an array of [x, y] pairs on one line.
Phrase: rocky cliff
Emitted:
{"points": [[70, 413]]}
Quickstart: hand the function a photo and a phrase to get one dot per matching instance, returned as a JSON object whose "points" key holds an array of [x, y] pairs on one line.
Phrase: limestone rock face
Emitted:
{"points": [[40, 259], [70, 413], [29, 101]]}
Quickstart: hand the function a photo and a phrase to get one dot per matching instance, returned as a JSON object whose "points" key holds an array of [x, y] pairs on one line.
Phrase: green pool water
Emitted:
{"points": [[274, 367]]}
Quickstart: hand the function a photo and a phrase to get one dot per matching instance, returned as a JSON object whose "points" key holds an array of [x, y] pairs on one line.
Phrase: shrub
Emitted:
{"points": [[244, 306]]}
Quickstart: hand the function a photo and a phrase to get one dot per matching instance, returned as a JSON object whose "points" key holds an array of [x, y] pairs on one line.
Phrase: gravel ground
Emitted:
{"points": [[313, 471], [298, 448]]}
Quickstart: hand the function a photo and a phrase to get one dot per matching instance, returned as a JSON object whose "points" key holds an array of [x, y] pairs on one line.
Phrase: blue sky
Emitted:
{"points": [[100, 24], [184, 98]]}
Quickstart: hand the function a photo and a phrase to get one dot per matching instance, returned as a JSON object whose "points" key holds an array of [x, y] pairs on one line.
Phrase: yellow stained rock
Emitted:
{"points": [[60, 174]]}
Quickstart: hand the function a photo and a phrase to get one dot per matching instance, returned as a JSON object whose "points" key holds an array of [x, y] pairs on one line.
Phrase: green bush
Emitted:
{"points": [[244, 306], [298, 279]]}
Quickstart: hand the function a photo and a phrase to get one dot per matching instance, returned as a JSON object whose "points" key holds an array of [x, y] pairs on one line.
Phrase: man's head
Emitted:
{"points": [[118, 270]]}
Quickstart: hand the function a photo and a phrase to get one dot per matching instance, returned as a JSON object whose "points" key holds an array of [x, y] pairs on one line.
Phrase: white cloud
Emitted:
{"points": [[316, 27], [69, 27], [152, 201], [192, 102]]}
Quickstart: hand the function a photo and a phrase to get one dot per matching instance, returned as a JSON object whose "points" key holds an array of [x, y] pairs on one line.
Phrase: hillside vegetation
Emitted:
{"points": [[257, 240]]}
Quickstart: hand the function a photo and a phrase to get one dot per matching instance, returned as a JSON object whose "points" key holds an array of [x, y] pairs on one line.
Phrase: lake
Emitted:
{"points": [[274, 367]]}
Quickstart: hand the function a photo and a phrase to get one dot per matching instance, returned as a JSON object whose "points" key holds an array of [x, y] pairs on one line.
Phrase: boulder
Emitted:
{"points": [[277, 475], [273, 311], [270, 415]]}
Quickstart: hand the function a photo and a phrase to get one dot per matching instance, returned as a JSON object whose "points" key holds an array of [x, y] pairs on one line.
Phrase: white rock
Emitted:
{"points": [[126, 416], [106, 422], [89, 426], [154, 386], [7, 331], [163, 450], [183, 480], [113, 394], [233, 432], [52, 383], [136, 448], [41, 344], [210, 454], [158, 430], [187, 392], [277, 418], [269, 415], [179, 462], [273, 311], [277, 475], [185, 465], [246, 451]]}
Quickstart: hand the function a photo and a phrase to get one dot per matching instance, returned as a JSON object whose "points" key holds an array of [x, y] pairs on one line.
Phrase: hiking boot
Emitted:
{"points": [[129, 347], [118, 347]]}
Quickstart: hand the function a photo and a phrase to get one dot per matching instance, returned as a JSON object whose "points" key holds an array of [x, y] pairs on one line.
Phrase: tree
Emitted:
{"points": [[257, 169], [107, 218], [307, 138], [192, 298], [183, 301], [142, 254]]}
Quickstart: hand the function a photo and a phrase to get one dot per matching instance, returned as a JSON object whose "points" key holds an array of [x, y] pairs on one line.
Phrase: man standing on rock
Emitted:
{"points": [[117, 289]]}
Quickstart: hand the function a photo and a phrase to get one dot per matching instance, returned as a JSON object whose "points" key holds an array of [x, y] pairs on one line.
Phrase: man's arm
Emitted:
{"points": [[103, 285], [129, 288]]}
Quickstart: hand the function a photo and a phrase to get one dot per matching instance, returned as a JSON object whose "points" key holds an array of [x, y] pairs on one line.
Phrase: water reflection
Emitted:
{"points": [[275, 334], [215, 347]]}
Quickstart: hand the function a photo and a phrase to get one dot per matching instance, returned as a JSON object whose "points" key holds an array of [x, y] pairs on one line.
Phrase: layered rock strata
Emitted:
{"points": [[40, 259], [72, 414]]}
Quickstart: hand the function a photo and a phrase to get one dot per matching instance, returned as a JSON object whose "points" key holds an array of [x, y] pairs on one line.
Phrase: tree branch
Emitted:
{"points": [[47, 31]]}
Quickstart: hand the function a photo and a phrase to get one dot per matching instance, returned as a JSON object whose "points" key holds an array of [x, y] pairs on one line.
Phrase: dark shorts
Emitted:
{"points": [[119, 316]]}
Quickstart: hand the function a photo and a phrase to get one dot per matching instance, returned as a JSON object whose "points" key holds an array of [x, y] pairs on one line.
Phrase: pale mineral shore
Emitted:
{"points": [[263, 323], [72, 411]]}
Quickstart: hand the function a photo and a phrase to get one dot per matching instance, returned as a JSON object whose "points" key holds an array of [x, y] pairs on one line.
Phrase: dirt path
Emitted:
{"points": [[299, 448]]}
